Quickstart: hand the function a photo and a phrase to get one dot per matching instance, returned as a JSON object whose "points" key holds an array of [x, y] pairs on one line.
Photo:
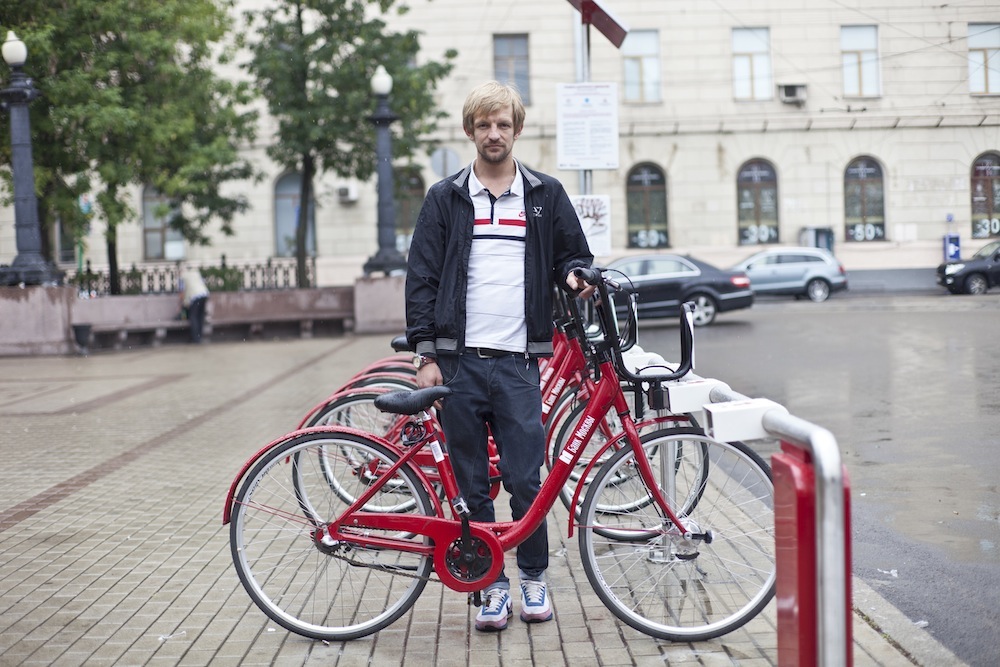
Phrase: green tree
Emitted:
{"points": [[130, 96], [313, 61]]}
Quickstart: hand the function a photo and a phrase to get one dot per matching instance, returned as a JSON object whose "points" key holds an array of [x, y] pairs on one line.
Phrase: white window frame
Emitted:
{"points": [[513, 69], [860, 62], [753, 79], [641, 63], [156, 225], [984, 58]]}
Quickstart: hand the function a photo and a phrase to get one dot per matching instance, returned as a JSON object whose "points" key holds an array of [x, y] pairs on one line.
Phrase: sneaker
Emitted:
{"points": [[535, 606], [496, 609]]}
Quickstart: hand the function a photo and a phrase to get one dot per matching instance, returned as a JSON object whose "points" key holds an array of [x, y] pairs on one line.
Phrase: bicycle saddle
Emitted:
{"points": [[399, 344], [404, 402]]}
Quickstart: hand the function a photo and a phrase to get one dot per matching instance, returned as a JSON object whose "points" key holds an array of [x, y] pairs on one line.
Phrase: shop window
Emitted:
{"points": [[646, 197], [864, 201], [986, 196], [757, 203]]}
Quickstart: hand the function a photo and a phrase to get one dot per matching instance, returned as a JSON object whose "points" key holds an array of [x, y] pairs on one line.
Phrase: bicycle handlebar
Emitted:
{"points": [[607, 319]]}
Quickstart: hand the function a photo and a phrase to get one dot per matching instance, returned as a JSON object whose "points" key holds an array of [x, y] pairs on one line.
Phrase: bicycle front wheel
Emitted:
{"points": [[302, 579], [670, 585]]}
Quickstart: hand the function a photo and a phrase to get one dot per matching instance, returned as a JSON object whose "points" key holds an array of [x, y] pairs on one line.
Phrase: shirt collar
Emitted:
{"points": [[516, 188]]}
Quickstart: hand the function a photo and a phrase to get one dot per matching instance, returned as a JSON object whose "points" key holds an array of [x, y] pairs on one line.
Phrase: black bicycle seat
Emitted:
{"points": [[405, 402], [399, 344]]}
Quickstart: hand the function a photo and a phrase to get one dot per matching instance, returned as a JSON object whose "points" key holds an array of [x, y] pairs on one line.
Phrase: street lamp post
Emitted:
{"points": [[387, 258], [29, 267]]}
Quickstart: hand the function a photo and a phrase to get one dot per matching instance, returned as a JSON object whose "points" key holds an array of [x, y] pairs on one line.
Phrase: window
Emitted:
{"points": [[409, 199], [641, 54], [859, 60], [287, 192], [984, 58], [864, 201], [646, 201], [510, 63], [660, 266], [160, 240], [65, 242], [986, 196], [757, 195], [752, 79]]}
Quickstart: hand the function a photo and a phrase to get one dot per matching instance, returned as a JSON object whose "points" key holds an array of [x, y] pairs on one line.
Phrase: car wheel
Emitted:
{"points": [[976, 284], [818, 290], [705, 309]]}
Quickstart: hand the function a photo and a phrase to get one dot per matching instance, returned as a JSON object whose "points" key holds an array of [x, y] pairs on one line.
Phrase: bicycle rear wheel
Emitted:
{"points": [[669, 585], [305, 581]]}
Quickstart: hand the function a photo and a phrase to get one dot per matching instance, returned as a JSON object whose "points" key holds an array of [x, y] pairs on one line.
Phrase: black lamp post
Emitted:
{"points": [[29, 266], [387, 258]]}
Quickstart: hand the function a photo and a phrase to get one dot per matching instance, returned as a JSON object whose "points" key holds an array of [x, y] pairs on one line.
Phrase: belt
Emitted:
{"points": [[488, 352]]}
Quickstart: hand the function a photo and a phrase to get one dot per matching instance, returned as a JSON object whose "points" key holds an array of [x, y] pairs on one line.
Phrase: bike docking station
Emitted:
{"points": [[811, 513], [811, 526]]}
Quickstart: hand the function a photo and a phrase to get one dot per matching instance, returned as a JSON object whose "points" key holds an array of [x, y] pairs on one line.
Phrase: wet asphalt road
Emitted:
{"points": [[909, 384]]}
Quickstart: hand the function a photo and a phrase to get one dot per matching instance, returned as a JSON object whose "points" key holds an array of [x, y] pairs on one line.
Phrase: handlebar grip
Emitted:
{"points": [[589, 276]]}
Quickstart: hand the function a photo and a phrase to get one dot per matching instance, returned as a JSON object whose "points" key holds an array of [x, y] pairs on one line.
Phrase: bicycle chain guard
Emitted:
{"points": [[458, 574]]}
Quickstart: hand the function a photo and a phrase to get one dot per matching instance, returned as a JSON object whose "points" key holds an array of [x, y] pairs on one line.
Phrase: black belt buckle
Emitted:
{"points": [[488, 353]]}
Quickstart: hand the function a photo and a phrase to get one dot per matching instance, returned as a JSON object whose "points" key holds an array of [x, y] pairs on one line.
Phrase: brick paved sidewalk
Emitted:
{"points": [[115, 468]]}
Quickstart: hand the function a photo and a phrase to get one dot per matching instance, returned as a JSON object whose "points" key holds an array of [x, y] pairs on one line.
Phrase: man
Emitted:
{"points": [[489, 245], [194, 299]]}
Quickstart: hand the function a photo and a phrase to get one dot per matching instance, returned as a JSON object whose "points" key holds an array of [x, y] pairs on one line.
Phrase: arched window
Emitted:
{"points": [[757, 202], [286, 216], [864, 201], [159, 239], [409, 199], [986, 196], [646, 197]]}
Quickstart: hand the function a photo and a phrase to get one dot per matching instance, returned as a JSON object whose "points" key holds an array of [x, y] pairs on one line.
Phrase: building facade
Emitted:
{"points": [[875, 130]]}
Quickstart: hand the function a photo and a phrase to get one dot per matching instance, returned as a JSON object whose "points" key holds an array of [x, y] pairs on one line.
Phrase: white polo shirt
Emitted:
{"points": [[494, 303]]}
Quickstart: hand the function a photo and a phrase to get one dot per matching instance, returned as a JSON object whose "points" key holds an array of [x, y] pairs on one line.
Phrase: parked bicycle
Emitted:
{"points": [[335, 532]]}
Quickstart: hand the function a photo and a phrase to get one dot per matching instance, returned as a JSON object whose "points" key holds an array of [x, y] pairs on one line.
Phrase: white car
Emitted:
{"points": [[811, 272]]}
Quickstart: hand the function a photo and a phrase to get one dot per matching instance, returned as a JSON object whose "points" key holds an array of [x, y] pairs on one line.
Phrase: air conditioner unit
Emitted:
{"points": [[347, 193], [792, 93]]}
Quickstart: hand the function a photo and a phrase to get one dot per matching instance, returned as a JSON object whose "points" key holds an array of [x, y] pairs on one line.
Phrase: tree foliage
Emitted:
{"points": [[313, 61], [131, 96]]}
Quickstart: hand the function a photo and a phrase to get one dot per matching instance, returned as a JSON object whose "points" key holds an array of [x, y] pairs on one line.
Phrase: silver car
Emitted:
{"points": [[811, 272]]}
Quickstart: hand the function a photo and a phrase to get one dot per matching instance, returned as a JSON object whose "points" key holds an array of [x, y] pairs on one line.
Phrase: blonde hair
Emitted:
{"points": [[491, 97]]}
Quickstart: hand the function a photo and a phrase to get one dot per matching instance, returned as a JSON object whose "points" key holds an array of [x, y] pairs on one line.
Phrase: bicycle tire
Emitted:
{"points": [[661, 583], [323, 590], [356, 409]]}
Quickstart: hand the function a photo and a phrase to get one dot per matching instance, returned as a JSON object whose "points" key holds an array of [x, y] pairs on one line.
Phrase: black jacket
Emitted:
{"points": [[438, 264]]}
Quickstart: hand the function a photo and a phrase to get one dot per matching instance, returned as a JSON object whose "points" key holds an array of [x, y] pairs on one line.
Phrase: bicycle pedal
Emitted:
{"points": [[476, 599]]}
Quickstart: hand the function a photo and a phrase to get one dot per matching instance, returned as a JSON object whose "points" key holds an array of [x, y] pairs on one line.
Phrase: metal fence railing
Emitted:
{"points": [[164, 277]]}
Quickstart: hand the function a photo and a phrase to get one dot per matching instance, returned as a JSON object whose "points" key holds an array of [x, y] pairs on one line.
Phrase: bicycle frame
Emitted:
{"points": [[350, 527]]}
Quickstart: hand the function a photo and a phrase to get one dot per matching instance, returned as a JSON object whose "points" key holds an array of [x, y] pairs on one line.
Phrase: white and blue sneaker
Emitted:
{"points": [[496, 609], [535, 607]]}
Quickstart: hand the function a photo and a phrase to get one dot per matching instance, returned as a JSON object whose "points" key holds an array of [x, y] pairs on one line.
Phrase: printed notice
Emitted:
{"points": [[587, 125]]}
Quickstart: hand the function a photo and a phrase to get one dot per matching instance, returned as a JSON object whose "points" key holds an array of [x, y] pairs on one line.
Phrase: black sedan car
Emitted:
{"points": [[662, 282], [974, 275]]}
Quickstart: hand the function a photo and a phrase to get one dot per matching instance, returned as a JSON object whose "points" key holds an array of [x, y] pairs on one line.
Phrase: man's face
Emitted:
{"points": [[494, 135]]}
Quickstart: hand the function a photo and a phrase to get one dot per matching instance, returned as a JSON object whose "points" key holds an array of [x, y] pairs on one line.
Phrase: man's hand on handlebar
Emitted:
{"points": [[579, 285]]}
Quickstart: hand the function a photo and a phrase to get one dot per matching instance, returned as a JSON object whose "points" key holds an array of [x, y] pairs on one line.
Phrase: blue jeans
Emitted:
{"points": [[502, 393], [196, 315]]}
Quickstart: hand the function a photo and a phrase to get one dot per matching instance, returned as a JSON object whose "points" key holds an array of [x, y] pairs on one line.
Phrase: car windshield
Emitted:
{"points": [[987, 250]]}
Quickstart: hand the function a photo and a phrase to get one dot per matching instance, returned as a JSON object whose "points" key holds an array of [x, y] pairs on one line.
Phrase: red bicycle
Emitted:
{"points": [[335, 532]]}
